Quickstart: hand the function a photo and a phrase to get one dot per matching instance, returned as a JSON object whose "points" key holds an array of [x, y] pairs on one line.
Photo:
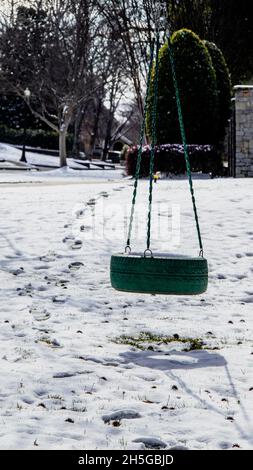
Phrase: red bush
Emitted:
{"points": [[169, 158]]}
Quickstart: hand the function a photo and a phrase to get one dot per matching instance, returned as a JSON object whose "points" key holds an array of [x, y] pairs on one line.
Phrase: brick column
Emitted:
{"points": [[244, 130]]}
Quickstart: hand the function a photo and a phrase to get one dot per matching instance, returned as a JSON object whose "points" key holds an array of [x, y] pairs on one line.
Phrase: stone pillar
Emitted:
{"points": [[244, 130]]}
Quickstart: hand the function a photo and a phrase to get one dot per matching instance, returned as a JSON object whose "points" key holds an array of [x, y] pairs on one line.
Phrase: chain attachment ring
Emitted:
{"points": [[150, 253]]}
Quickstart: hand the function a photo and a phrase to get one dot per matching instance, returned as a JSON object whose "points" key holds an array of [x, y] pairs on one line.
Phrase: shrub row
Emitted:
{"points": [[34, 138], [169, 158]]}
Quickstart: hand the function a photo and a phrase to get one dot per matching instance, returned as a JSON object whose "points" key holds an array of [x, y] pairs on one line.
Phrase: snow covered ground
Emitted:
{"points": [[66, 381], [10, 157]]}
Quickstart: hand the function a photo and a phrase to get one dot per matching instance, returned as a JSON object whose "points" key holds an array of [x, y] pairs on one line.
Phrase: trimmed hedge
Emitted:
{"points": [[224, 88], [34, 138], [197, 87], [170, 159]]}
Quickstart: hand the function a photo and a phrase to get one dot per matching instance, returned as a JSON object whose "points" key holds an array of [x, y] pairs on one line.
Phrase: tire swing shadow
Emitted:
{"points": [[174, 359], [182, 360]]}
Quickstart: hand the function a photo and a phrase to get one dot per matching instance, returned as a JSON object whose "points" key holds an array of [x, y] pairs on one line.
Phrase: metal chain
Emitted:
{"points": [[183, 135], [154, 140], [138, 164]]}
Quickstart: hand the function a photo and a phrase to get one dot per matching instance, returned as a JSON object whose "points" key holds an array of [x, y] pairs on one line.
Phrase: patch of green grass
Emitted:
{"points": [[49, 342], [145, 340], [55, 397]]}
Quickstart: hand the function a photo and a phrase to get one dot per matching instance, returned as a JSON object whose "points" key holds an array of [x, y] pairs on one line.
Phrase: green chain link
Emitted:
{"points": [[183, 135], [138, 164], [154, 141]]}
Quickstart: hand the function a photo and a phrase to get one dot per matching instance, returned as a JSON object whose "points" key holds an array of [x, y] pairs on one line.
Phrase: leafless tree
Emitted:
{"points": [[71, 52], [132, 22], [109, 68], [48, 48]]}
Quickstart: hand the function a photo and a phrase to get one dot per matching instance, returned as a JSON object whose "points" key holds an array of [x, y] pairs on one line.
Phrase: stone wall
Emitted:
{"points": [[244, 130]]}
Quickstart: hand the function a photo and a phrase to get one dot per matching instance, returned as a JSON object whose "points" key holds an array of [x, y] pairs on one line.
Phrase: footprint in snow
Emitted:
{"points": [[41, 392], [64, 375], [42, 330], [68, 238], [29, 289], [77, 245], [85, 228], [51, 256], [118, 189], [151, 442], [39, 314], [17, 272], [121, 414], [240, 277], [75, 266], [58, 282], [26, 290], [59, 299], [27, 399], [51, 279], [91, 202], [221, 276], [41, 268], [79, 213], [62, 283], [42, 288], [247, 300]]}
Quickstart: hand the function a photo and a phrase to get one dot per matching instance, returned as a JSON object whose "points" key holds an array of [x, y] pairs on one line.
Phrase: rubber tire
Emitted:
{"points": [[159, 275]]}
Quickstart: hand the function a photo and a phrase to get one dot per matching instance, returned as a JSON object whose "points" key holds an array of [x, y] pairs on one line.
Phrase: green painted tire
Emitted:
{"points": [[160, 274]]}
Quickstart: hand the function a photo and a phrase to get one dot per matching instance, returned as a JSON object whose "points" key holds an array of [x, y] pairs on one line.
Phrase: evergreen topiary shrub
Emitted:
{"points": [[197, 87], [224, 88]]}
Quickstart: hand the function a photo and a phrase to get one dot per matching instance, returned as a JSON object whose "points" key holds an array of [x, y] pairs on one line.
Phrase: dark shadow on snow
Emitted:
{"points": [[174, 359], [180, 360]]}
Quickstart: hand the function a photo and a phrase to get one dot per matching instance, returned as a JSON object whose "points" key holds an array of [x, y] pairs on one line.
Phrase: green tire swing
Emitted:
{"points": [[159, 273]]}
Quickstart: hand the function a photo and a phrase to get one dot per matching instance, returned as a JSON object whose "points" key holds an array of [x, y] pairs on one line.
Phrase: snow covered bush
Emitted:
{"points": [[170, 159]]}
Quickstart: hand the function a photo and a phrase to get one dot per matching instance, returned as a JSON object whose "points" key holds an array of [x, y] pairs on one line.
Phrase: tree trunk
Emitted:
{"points": [[76, 141], [108, 134], [105, 149], [95, 126], [108, 137], [77, 130], [63, 148]]}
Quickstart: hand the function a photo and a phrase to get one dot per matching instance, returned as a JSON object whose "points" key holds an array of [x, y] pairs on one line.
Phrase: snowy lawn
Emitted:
{"points": [[86, 367], [10, 157]]}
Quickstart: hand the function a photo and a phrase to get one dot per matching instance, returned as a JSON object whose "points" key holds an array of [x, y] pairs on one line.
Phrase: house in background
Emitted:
{"points": [[102, 134]]}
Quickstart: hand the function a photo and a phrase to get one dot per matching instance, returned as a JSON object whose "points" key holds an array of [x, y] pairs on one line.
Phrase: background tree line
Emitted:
{"points": [[227, 23], [78, 57]]}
